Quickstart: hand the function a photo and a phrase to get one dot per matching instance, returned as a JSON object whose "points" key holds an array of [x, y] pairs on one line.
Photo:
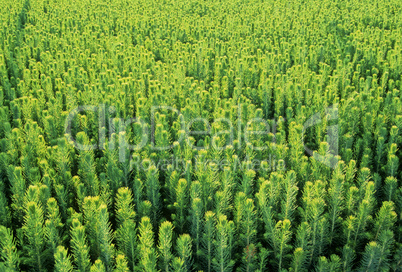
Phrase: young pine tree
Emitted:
{"points": [[147, 252], [288, 197], [107, 250], [98, 266], [376, 256], [184, 250], [178, 265], [87, 167], [336, 201], [196, 220], [281, 238], [79, 246], [34, 231], [62, 260], [8, 250], [207, 240], [18, 187], [332, 265], [303, 246], [362, 217], [248, 235], [126, 234], [314, 214], [222, 261], [385, 219], [165, 246], [180, 205], [53, 225], [153, 193], [97, 220], [121, 264]]}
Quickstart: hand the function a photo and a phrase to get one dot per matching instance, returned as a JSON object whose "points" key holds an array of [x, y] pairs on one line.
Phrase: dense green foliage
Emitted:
{"points": [[210, 202]]}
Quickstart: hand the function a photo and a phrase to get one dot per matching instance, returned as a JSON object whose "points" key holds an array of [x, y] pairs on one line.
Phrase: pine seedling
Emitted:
{"points": [[225, 195], [138, 193], [125, 234], [363, 214], [87, 166], [171, 186], [91, 220], [303, 247], [391, 168], [165, 246], [265, 209], [336, 200], [207, 239], [298, 260], [348, 257], [153, 193], [62, 260], [391, 185], [248, 235], [147, 252], [18, 187], [178, 265], [396, 262], [113, 172], [180, 205], [53, 226], [196, 225], [288, 197], [376, 254], [222, 261], [105, 236], [351, 200], [145, 209], [313, 214], [263, 259], [121, 264], [331, 265], [97, 220], [385, 219], [239, 212], [282, 236], [105, 194], [34, 232], [98, 266], [63, 197], [79, 246], [247, 183], [8, 250], [184, 250], [350, 173]]}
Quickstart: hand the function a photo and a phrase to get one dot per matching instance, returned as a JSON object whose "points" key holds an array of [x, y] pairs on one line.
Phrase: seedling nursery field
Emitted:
{"points": [[227, 135]]}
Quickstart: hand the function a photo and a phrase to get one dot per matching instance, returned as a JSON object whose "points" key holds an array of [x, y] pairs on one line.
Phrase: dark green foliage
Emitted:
{"points": [[200, 135], [9, 253]]}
